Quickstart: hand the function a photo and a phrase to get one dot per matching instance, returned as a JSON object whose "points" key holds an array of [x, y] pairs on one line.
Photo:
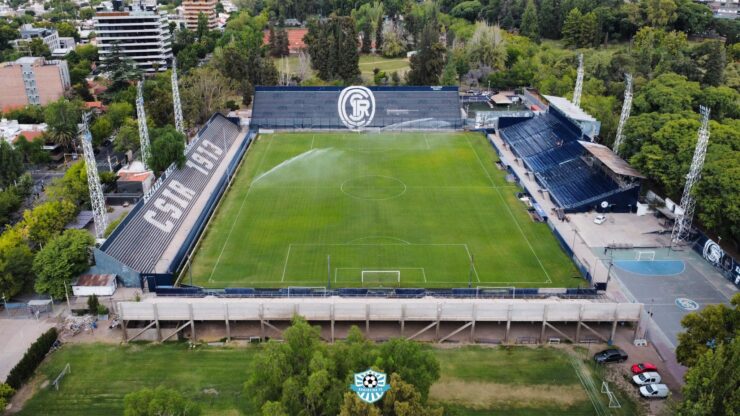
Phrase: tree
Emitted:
{"points": [[572, 28], [6, 392], [487, 47], [118, 112], [590, 32], [379, 34], [273, 409], [411, 362], [204, 91], [100, 130], [16, 261], [202, 29], [11, 164], [429, 60], [668, 93], [67, 30], [60, 261], [168, 147], [72, 186], [713, 383], [332, 45], [530, 23], [549, 18], [660, 13], [128, 136], [37, 47], [62, 117], [159, 402], [122, 70], [715, 63], [468, 10], [706, 330], [367, 40], [393, 45], [353, 406], [403, 399], [449, 75], [32, 151], [47, 220]]}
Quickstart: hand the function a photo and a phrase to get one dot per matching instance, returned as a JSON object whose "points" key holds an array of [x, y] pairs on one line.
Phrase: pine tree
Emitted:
{"points": [[379, 35], [530, 24], [449, 75], [715, 64], [283, 44], [272, 42], [347, 56], [367, 32], [427, 64], [549, 17], [572, 28], [590, 31]]}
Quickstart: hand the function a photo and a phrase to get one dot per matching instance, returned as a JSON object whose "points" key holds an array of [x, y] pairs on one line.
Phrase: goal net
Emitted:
{"points": [[381, 278], [67, 369], [645, 255]]}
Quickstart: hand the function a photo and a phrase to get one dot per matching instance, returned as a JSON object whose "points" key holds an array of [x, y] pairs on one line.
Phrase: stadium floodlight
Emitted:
{"points": [[381, 277], [682, 225], [143, 128], [179, 123], [97, 200], [579, 82], [625, 115]]}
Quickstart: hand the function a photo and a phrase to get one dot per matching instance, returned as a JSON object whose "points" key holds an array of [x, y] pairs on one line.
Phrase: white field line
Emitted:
{"points": [[470, 257], [380, 269], [549, 280], [285, 266], [238, 214]]}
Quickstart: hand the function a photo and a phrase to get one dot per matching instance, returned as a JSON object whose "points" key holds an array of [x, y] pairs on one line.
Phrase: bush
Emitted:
{"points": [[93, 304], [6, 392], [31, 359]]}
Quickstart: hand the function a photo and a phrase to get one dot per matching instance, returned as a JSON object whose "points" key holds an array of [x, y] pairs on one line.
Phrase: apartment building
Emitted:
{"points": [[139, 32], [193, 8], [32, 80], [28, 33]]}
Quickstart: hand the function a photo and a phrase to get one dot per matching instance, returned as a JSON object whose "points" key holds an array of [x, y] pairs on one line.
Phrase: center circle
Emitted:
{"points": [[373, 187]]}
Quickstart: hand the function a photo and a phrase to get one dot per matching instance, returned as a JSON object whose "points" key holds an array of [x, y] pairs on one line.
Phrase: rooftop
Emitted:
{"points": [[95, 280], [615, 163], [569, 109]]}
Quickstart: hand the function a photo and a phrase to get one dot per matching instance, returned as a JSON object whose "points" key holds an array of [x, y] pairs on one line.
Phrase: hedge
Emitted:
{"points": [[31, 359]]}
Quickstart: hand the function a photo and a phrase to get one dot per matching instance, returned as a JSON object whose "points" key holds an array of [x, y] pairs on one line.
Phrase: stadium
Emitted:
{"points": [[362, 189]]}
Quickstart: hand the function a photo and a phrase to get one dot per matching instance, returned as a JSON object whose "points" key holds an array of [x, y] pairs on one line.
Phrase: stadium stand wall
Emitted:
{"points": [[549, 146], [153, 240], [287, 108]]}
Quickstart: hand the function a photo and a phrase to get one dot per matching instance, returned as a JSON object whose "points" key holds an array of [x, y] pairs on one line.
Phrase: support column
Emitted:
{"points": [[578, 326], [192, 323], [125, 333], [544, 325], [403, 319], [226, 320], [614, 323], [439, 317], [638, 323], [472, 326], [331, 313], [508, 325], [155, 314], [262, 321], [367, 320]]}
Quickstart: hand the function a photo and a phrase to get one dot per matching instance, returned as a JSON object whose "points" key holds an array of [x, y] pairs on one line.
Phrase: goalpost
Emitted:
{"points": [[645, 256], [67, 369], [504, 292], [381, 278], [613, 402]]}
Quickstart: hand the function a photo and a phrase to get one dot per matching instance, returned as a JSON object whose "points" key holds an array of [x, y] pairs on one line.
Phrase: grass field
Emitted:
{"points": [[474, 380], [367, 64], [420, 204]]}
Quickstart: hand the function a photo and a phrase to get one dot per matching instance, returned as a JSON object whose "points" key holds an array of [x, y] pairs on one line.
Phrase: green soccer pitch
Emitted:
{"points": [[376, 209]]}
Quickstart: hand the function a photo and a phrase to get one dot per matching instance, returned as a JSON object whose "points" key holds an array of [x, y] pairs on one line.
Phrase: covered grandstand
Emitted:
{"points": [[155, 237], [578, 175], [287, 108]]}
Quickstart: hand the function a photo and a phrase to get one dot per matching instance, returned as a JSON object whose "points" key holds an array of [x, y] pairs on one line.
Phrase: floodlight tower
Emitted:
{"points": [[141, 116], [626, 107], [179, 124], [682, 226], [97, 200], [579, 83]]}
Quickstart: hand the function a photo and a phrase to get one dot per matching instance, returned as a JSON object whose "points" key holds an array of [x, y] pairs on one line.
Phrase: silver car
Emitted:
{"points": [[649, 377], [659, 391]]}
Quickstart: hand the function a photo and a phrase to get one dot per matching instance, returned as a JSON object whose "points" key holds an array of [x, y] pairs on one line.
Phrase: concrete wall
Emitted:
{"points": [[12, 87], [338, 309]]}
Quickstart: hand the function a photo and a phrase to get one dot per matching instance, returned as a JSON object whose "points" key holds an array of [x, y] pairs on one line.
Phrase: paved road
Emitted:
{"points": [[16, 335]]}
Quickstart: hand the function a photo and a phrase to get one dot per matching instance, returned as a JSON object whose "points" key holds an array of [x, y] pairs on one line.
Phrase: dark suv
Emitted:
{"points": [[611, 355]]}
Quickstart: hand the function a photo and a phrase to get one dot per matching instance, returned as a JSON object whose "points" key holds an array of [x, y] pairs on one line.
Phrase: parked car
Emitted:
{"points": [[612, 355], [643, 367], [600, 219], [649, 377], [658, 391]]}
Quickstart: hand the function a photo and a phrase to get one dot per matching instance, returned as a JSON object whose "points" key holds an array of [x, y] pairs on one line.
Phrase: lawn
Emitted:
{"points": [[474, 380], [367, 64], [372, 209]]}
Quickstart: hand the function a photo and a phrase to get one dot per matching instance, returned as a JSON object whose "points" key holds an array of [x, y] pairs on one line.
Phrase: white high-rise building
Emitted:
{"points": [[140, 32]]}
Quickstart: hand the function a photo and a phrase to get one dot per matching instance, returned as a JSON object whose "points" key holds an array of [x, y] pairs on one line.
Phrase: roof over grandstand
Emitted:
{"points": [[569, 109], [611, 159]]}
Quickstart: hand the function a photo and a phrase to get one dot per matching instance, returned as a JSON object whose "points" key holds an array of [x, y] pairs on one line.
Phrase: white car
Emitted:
{"points": [[654, 390], [650, 377], [600, 219]]}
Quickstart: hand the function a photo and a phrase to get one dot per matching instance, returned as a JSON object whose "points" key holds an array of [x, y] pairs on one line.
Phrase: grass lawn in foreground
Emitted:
{"points": [[415, 205], [474, 380], [367, 64]]}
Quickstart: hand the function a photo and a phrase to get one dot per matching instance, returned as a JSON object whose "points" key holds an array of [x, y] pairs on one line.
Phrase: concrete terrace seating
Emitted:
{"points": [[126, 245], [549, 147]]}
